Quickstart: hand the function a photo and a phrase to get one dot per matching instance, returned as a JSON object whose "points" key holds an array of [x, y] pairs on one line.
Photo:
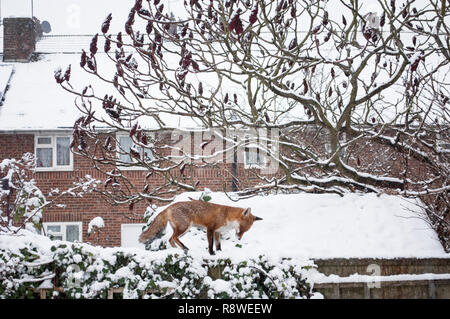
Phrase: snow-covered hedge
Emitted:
{"points": [[85, 271]]}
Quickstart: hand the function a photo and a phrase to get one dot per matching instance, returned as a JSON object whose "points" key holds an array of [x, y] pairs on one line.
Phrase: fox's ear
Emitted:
{"points": [[246, 212]]}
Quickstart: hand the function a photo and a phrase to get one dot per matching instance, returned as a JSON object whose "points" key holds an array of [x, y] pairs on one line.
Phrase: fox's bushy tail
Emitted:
{"points": [[156, 227]]}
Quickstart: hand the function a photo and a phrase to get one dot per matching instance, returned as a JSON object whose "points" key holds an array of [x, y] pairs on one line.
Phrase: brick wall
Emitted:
{"points": [[92, 205], [374, 157]]}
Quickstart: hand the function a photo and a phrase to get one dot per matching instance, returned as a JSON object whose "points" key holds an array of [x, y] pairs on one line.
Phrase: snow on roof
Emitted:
{"points": [[35, 102], [5, 75]]}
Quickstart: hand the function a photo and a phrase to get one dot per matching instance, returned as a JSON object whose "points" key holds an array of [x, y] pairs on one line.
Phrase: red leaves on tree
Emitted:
{"points": [[254, 14], [305, 87], [236, 23], [325, 18], [195, 66], [133, 130], [144, 139], [67, 73], [83, 59], [393, 6], [293, 44], [293, 12], [130, 22], [149, 27], [93, 47], [119, 40], [58, 76], [316, 30], [182, 168], [138, 5], [107, 45], [106, 23]]}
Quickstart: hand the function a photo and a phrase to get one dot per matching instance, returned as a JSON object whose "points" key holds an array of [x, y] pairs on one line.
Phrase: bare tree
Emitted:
{"points": [[360, 98]]}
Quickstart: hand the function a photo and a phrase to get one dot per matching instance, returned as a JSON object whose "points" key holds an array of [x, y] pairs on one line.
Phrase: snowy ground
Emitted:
{"points": [[325, 226]]}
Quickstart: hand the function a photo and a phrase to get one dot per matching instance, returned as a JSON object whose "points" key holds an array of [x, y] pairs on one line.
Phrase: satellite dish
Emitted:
{"points": [[46, 27]]}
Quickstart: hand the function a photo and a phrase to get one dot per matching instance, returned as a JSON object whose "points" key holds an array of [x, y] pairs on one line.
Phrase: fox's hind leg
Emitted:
{"points": [[174, 239]]}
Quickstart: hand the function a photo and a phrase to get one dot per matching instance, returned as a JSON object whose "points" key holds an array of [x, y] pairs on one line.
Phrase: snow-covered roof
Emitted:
{"points": [[5, 75], [35, 102]]}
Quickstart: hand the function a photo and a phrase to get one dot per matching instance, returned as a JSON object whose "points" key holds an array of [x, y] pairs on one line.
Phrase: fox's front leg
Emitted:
{"points": [[210, 237], [217, 240]]}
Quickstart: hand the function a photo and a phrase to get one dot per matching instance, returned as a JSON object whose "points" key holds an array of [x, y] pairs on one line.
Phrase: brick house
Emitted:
{"points": [[37, 116]]}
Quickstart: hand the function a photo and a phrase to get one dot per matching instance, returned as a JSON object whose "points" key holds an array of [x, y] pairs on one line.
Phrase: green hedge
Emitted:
{"points": [[84, 271]]}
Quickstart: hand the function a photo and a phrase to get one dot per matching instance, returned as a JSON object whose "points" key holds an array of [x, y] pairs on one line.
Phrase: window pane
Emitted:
{"points": [[54, 229], [125, 145], [148, 154], [72, 232], [44, 157], [44, 140], [63, 151], [53, 237]]}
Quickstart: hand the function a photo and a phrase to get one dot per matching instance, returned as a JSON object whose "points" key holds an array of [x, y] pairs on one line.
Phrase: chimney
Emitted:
{"points": [[19, 40]]}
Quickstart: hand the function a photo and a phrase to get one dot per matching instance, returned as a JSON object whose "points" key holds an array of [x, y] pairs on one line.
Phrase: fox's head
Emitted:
{"points": [[246, 221]]}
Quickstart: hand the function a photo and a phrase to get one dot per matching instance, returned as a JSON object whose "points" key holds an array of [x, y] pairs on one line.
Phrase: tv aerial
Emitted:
{"points": [[46, 27]]}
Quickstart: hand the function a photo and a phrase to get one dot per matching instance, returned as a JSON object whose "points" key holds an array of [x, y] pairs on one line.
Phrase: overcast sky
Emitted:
{"points": [[75, 16], [86, 16]]}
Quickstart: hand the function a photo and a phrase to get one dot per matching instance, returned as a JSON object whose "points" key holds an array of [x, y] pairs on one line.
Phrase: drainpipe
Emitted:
{"points": [[234, 168]]}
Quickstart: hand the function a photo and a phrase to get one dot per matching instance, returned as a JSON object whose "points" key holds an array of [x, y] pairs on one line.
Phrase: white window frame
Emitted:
{"points": [[63, 232], [263, 157], [131, 167], [52, 145]]}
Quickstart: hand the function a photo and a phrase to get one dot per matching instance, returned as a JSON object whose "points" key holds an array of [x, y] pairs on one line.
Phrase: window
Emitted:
{"points": [[254, 156], [124, 147], [53, 153], [64, 231]]}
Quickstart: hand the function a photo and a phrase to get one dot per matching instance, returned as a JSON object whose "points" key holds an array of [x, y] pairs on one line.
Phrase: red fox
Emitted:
{"points": [[215, 218]]}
